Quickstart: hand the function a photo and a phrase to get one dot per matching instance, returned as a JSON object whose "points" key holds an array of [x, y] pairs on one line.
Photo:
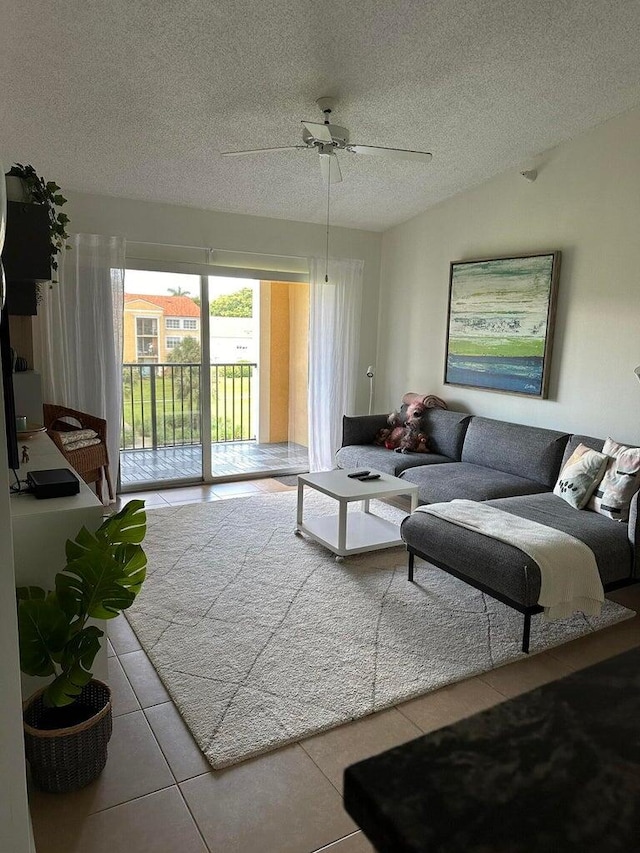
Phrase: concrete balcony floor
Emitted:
{"points": [[229, 459]]}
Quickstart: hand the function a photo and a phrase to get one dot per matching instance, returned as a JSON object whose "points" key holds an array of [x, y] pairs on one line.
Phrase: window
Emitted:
{"points": [[147, 339], [173, 342], [173, 323], [189, 324]]}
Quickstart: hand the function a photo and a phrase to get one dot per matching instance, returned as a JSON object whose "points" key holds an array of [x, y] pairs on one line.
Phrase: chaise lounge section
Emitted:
{"points": [[514, 468]]}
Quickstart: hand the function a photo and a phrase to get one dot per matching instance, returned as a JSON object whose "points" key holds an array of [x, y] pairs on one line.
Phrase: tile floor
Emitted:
{"points": [[158, 794]]}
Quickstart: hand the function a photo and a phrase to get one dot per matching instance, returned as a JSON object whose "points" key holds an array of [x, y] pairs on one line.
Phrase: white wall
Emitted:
{"points": [[585, 202], [15, 825], [171, 224]]}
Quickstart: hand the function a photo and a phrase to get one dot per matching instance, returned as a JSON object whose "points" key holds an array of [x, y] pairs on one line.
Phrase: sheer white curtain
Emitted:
{"points": [[334, 340], [78, 333]]}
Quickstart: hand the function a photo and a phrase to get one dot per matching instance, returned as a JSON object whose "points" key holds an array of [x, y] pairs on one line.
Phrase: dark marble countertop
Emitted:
{"points": [[555, 770]]}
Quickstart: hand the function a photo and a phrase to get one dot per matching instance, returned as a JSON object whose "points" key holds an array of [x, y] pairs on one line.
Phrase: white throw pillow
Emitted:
{"points": [[620, 482], [580, 475]]}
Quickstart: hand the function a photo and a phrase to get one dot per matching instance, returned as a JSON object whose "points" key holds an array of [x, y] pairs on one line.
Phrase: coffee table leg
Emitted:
{"points": [[342, 525], [365, 504], [299, 513]]}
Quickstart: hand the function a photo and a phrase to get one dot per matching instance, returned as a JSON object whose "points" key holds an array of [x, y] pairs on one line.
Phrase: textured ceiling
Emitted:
{"points": [[137, 98]]}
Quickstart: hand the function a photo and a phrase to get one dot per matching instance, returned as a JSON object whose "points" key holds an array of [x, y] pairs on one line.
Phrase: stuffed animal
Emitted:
{"points": [[405, 433]]}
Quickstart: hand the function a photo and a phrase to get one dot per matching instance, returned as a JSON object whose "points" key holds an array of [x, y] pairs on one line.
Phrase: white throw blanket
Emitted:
{"points": [[569, 574]]}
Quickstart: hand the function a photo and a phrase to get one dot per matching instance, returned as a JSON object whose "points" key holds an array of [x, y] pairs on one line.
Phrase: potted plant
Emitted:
{"points": [[68, 723], [24, 184]]}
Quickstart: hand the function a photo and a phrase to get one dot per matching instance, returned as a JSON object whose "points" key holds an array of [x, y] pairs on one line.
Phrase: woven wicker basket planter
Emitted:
{"points": [[66, 759]]}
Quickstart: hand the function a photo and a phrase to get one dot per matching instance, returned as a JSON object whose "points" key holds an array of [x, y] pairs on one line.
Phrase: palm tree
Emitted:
{"points": [[178, 291]]}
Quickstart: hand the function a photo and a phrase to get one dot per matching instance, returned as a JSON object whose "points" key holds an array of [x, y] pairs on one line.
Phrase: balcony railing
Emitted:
{"points": [[161, 404]]}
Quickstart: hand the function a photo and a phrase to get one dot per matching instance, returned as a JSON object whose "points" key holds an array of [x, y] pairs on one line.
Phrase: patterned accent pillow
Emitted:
{"points": [[78, 445], [75, 435], [580, 475], [620, 482]]}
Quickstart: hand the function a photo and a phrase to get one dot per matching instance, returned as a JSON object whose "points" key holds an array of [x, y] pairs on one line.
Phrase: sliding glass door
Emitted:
{"points": [[162, 374], [215, 378]]}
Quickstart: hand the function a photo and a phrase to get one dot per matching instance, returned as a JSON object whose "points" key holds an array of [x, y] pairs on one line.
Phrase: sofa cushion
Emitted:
{"points": [[500, 567], [504, 568], [620, 482], [607, 539], [361, 429], [529, 452], [575, 441], [381, 459], [464, 480], [580, 475], [446, 431]]}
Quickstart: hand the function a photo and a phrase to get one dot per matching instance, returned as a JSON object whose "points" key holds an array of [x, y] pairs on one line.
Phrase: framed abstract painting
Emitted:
{"points": [[500, 323]]}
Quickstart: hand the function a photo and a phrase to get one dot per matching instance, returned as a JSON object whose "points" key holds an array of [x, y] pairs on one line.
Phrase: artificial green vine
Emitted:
{"points": [[46, 193]]}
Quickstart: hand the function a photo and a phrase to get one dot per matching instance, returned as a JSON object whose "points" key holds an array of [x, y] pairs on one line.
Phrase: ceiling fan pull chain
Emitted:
{"points": [[326, 264]]}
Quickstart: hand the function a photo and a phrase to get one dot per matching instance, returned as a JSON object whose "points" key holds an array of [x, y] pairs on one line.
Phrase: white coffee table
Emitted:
{"points": [[352, 532]]}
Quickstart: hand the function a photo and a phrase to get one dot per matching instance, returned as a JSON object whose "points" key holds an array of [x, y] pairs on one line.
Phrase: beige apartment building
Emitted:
{"points": [[155, 325]]}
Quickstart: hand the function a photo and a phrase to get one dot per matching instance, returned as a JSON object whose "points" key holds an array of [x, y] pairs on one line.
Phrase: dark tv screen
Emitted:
{"points": [[13, 459]]}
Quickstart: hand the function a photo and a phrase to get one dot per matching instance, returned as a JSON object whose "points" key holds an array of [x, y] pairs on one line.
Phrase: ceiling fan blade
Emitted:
{"points": [[318, 130], [391, 153], [330, 168], [264, 150]]}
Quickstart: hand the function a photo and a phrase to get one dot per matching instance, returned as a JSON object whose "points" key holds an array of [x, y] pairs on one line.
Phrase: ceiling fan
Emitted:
{"points": [[327, 139]]}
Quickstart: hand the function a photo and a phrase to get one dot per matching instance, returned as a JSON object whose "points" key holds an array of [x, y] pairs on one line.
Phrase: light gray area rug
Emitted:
{"points": [[262, 638]]}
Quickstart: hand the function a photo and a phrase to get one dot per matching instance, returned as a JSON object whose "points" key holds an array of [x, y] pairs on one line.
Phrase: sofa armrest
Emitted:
{"points": [[361, 429], [634, 532]]}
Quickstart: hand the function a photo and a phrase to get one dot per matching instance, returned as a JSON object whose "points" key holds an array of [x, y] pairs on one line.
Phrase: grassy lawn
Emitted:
{"points": [[178, 409]]}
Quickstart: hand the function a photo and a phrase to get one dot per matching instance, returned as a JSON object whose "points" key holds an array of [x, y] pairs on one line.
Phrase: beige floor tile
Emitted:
{"points": [[355, 843], [450, 704], [123, 698], [271, 485], [149, 498], [277, 803], [335, 749], [190, 501], [156, 823], [144, 679], [524, 675], [188, 494], [628, 596], [122, 636], [135, 767], [176, 742], [231, 490], [604, 644]]}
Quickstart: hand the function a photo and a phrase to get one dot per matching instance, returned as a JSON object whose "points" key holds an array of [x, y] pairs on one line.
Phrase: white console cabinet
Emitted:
{"points": [[41, 529]]}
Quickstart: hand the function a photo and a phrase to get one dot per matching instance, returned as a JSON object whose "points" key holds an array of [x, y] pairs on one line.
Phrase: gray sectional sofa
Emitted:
{"points": [[512, 467]]}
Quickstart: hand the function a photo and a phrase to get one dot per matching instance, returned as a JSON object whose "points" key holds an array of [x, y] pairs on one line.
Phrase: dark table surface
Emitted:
{"points": [[554, 770]]}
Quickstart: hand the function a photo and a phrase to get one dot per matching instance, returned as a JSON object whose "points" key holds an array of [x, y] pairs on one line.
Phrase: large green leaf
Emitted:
{"points": [[127, 526], [93, 585], [76, 663], [26, 593], [133, 565], [104, 572], [44, 630]]}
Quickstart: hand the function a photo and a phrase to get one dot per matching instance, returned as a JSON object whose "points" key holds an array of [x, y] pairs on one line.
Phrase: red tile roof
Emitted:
{"points": [[172, 306]]}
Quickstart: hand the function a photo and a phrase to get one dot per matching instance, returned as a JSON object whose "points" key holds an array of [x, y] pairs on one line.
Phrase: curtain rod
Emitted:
{"points": [[218, 249]]}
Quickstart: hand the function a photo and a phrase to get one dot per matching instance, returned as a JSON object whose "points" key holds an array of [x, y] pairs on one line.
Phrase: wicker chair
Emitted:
{"points": [[91, 463]]}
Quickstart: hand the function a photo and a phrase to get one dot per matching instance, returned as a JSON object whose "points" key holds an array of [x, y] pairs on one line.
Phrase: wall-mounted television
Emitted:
{"points": [[5, 346], [13, 459]]}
